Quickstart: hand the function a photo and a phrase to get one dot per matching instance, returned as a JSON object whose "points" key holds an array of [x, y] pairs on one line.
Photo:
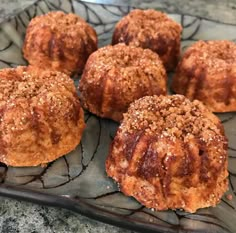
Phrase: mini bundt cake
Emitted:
{"points": [[115, 76], [40, 116], [170, 153], [207, 72], [151, 29], [59, 41]]}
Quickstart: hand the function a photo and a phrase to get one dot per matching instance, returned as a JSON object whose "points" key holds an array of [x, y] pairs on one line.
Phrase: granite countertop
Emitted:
{"points": [[19, 216]]}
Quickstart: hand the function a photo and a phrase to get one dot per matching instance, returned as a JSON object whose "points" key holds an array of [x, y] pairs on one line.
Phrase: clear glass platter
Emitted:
{"points": [[78, 180]]}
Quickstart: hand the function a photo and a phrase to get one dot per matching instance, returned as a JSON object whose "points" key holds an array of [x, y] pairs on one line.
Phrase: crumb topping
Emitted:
{"points": [[26, 83], [150, 23], [173, 116], [26, 92], [123, 56], [216, 56], [62, 23], [143, 24]]}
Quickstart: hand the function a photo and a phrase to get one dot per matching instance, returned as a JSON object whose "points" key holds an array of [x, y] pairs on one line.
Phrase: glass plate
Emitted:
{"points": [[78, 180]]}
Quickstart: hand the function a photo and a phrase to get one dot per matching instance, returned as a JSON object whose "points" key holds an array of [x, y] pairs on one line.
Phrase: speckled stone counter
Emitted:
{"points": [[18, 216]]}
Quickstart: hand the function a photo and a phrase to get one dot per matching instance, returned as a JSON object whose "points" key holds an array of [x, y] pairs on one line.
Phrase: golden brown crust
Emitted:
{"points": [[41, 117], [170, 153], [151, 29], [60, 42], [115, 76], [207, 72]]}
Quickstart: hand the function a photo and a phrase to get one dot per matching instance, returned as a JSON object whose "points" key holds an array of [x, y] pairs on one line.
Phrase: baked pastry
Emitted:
{"points": [[170, 153], [151, 29], [59, 41], [41, 117], [115, 76], [207, 72]]}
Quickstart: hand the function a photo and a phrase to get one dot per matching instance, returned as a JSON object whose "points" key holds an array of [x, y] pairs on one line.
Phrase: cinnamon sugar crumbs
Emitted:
{"points": [[30, 83], [217, 56], [149, 23], [30, 88], [58, 21], [174, 116], [123, 56]]}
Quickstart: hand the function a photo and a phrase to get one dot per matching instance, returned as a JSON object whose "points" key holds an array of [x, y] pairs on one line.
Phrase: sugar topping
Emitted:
{"points": [[59, 22], [150, 22], [25, 89], [216, 56], [27, 83], [123, 56], [173, 116], [143, 24]]}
